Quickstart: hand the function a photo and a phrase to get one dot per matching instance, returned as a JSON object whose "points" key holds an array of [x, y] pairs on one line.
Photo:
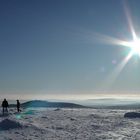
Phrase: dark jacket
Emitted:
{"points": [[18, 104], [5, 103]]}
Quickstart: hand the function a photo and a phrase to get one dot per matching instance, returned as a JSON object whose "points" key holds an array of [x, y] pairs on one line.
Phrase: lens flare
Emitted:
{"points": [[135, 46]]}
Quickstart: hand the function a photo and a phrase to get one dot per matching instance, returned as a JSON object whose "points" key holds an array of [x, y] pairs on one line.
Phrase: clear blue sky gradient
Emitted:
{"points": [[50, 45]]}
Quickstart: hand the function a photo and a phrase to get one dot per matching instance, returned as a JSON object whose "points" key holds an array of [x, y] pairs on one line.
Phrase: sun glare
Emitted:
{"points": [[135, 46]]}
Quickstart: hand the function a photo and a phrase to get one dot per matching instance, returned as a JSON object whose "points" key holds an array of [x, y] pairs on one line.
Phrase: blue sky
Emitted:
{"points": [[50, 48]]}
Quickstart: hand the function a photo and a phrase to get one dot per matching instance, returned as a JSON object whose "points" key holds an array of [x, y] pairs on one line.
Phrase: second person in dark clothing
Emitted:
{"points": [[18, 106]]}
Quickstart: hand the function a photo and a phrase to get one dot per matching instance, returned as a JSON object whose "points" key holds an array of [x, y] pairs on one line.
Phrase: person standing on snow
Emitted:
{"points": [[18, 106], [5, 105]]}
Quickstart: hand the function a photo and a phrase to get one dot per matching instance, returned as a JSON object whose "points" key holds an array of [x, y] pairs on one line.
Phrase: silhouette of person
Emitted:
{"points": [[5, 105], [18, 106]]}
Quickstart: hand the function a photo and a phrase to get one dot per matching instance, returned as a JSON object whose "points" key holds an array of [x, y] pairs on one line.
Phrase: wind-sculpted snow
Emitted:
{"points": [[7, 124], [69, 124]]}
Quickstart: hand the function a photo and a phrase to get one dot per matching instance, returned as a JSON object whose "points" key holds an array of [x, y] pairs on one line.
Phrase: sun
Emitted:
{"points": [[135, 46]]}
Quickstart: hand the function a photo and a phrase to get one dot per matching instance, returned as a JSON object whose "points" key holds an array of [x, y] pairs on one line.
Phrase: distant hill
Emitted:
{"points": [[110, 102], [40, 103], [130, 106]]}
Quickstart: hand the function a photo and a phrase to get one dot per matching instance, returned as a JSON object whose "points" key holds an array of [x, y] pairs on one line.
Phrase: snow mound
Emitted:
{"points": [[3, 115], [132, 115], [7, 124], [58, 109]]}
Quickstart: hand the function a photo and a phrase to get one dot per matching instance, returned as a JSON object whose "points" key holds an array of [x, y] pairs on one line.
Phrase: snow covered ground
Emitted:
{"points": [[68, 124]]}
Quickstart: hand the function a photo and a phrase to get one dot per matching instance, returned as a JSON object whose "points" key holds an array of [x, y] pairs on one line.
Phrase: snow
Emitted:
{"points": [[68, 124], [7, 124]]}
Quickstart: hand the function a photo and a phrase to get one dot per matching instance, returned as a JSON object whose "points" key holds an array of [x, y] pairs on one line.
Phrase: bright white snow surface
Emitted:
{"points": [[68, 124]]}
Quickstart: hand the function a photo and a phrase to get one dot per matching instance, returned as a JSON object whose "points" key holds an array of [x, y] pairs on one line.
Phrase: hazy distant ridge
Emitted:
{"points": [[39, 103]]}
